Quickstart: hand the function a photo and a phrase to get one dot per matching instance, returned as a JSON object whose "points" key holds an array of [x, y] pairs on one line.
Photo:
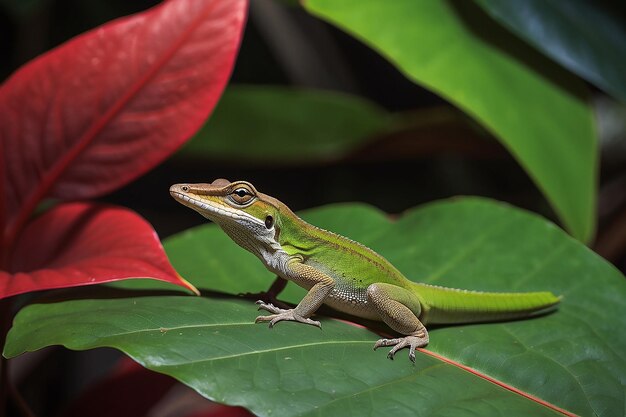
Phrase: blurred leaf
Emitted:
{"points": [[573, 358], [222, 411], [537, 109], [286, 125], [586, 37], [128, 391]]}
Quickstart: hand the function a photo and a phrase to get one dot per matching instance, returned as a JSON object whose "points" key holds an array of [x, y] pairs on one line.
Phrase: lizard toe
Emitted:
{"points": [[412, 342], [269, 307], [386, 342], [286, 315]]}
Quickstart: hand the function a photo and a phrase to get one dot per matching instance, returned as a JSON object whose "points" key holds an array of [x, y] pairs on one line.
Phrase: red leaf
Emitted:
{"points": [[219, 410], [79, 244], [103, 108], [130, 390]]}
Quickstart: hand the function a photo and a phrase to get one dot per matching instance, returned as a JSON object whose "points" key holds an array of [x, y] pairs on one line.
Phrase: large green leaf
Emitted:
{"points": [[536, 108], [585, 36], [286, 125], [574, 358]]}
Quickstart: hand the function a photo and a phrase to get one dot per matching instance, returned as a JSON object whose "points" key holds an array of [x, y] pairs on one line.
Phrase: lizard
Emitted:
{"points": [[342, 273]]}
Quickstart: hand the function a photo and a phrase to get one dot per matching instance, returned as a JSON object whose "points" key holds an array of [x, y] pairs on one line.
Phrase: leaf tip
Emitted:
{"points": [[188, 284]]}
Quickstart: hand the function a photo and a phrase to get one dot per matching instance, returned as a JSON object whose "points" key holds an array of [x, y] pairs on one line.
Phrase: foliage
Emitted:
{"points": [[73, 123], [459, 54], [97, 112], [554, 29], [313, 126], [213, 345]]}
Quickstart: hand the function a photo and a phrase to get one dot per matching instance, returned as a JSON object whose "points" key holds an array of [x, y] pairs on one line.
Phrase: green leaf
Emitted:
{"points": [[286, 125], [586, 37], [537, 109], [574, 358]]}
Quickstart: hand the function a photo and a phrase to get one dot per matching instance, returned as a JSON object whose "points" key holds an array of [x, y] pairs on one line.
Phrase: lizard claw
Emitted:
{"points": [[269, 307], [287, 315], [412, 342]]}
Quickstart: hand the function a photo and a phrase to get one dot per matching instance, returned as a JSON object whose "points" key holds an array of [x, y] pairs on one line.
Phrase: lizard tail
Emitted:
{"points": [[450, 305]]}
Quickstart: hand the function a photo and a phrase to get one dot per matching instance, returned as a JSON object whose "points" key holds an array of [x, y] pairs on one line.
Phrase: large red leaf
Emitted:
{"points": [[79, 244], [103, 108]]}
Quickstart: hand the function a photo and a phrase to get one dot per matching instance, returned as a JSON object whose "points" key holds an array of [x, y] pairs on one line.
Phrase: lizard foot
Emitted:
{"points": [[281, 315], [413, 342]]}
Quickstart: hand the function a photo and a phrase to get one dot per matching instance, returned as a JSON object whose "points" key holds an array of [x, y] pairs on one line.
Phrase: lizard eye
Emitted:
{"points": [[241, 196], [269, 222]]}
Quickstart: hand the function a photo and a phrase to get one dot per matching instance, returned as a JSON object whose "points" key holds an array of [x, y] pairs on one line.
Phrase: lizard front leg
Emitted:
{"points": [[399, 309], [306, 276]]}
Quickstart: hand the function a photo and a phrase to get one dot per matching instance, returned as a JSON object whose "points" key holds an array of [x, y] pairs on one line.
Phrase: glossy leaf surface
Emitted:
{"points": [[285, 125], [537, 109], [587, 37], [103, 108], [573, 359], [80, 244]]}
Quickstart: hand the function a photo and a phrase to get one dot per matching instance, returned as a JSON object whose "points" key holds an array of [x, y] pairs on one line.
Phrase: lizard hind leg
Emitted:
{"points": [[399, 309]]}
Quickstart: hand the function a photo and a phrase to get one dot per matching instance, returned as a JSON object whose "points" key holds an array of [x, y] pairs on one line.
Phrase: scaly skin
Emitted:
{"points": [[343, 273]]}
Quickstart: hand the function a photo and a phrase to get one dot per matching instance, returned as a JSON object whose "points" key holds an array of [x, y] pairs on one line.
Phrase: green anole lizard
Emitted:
{"points": [[342, 273]]}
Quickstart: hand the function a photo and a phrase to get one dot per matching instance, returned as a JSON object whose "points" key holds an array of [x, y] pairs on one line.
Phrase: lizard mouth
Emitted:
{"points": [[212, 211]]}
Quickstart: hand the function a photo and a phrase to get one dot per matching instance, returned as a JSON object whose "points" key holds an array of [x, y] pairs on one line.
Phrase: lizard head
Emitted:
{"points": [[247, 216]]}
